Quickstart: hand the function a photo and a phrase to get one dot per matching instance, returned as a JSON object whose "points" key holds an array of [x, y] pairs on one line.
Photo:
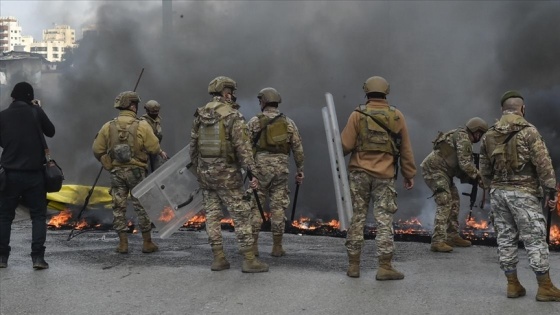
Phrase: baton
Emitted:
{"points": [[250, 176], [295, 202]]}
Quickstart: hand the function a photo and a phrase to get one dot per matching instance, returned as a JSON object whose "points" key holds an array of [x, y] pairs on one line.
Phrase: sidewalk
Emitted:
{"points": [[86, 276]]}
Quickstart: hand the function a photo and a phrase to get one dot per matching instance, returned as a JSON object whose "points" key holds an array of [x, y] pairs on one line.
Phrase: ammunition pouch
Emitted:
{"points": [[123, 145], [122, 153]]}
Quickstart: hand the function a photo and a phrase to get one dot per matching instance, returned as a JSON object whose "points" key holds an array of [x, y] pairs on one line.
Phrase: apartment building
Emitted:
{"points": [[10, 33], [55, 42]]}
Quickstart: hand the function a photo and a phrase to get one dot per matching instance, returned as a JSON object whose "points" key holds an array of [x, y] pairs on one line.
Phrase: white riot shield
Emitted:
{"points": [[170, 195], [338, 164]]}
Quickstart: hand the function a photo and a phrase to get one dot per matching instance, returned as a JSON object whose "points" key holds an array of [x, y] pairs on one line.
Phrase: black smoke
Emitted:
{"points": [[446, 62]]}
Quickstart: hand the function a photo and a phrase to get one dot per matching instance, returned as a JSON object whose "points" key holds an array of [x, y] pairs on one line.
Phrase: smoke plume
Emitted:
{"points": [[446, 62]]}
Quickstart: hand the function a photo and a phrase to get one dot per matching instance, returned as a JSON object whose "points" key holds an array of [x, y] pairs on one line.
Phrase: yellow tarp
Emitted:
{"points": [[76, 195]]}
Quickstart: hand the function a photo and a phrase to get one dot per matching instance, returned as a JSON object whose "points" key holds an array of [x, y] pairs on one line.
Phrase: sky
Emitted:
{"points": [[33, 21], [446, 61]]}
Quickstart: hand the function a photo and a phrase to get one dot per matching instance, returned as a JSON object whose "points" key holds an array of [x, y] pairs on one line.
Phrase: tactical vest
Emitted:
{"points": [[123, 142], [374, 138], [445, 150], [503, 149], [214, 140], [273, 135]]}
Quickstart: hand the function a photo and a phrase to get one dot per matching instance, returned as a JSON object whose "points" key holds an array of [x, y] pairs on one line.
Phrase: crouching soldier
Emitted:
{"points": [[451, 157]]}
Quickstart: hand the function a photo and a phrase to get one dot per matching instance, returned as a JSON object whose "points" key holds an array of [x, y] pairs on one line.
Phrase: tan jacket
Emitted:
{"points": [[378, 164], [146, 139]]}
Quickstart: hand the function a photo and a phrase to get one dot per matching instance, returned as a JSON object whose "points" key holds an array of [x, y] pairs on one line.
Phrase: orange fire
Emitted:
{"points": [[227, 221], [410, 226], [81, 225], [555, 235], [167, 214], [473, 224], [304, 224], [196, 220], [63, 218], [334, 223]]}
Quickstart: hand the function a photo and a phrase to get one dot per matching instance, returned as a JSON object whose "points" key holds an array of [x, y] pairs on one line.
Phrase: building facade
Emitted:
{"points": [[10, 33], [56, 41]]}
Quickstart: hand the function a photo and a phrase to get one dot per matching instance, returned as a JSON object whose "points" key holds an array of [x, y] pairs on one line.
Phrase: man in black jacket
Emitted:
{"points": [[23, 159]]}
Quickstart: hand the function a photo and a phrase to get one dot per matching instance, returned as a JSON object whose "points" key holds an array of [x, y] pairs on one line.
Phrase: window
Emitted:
{"points": [[55, 48], [55, 55]]}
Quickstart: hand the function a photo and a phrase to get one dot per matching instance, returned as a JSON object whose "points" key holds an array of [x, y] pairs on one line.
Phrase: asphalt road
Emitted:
{"points": [[86, 276]]}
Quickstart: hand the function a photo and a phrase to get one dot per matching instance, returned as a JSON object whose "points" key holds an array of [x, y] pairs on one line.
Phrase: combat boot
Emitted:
{"points": [[547, 292], [458, 241], [353, 265], [39, 262], [386, 271], [123, 243], [441, 247], [514, 288], [220, 262], [3, 261], [256, 244], [252, 264], [148, 246], [277, 250]]}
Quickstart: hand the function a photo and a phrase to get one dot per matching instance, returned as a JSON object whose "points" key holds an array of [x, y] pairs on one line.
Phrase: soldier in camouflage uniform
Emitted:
{"points": [[122, 146], [152, 117], [220, 148], [452, 157], [274, 135], [515, 164], [376, 134]]}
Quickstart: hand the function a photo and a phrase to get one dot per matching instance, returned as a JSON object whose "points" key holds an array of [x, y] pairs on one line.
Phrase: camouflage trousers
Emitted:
{"points": [[275, 187], [518, 215], [446, 195], [363, 188], [238, 208], [123, 180]]}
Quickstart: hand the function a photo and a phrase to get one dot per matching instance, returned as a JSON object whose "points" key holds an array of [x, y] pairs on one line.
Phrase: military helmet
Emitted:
{"points": [[269, 95], [123, 100], [376, 84], [152, 105], [477, 124], [220, 83]]}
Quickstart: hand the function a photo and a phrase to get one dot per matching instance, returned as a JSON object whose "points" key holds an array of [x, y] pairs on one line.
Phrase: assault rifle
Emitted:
{"points": [[474, 189]]}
